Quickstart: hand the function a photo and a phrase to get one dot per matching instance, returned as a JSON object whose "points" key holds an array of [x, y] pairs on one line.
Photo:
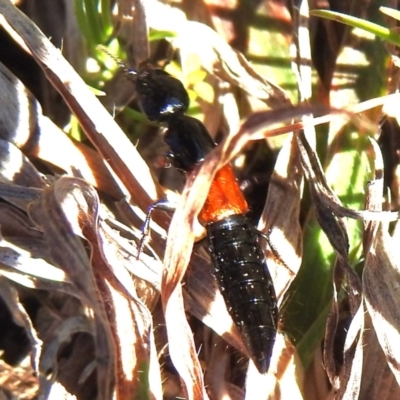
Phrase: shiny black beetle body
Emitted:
{"points": [[239, 262], [246, 284]]}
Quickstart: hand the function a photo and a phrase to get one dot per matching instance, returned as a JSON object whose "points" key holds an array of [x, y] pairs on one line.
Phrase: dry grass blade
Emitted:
{"points": [[13, 192], [349, 379], [180, 337], [135, 35], [374, 197], [15, 167], [14, 259], [381, 280], [378, 381], [346, 381], [283, 228], [14, 223]]}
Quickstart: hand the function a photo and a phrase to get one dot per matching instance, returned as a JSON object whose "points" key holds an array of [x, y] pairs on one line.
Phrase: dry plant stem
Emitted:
{"points": [[373, 201], [140, 51], [98, 125], [332, 114]]}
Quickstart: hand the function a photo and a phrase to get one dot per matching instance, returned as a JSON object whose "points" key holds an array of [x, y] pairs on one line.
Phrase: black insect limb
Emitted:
{"points": [[163, 205]]}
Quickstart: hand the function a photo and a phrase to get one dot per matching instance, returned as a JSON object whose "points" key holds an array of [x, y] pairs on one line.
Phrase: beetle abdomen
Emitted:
{"points": [[245, 284]]}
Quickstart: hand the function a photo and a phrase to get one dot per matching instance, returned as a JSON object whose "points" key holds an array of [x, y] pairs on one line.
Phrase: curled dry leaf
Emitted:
{"points": [[58, 213], [346, 385], [69, 327], [347, 379], [130, 318], [67, 211], [349, 382]]}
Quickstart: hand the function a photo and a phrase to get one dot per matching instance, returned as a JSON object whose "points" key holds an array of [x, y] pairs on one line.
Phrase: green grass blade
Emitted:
{"points": [[80, 11], [378, 30], [106, 17], [93, 21]]}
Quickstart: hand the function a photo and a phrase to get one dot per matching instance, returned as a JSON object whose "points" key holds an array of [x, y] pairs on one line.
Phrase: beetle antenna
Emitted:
{"points": [[120, 64]]}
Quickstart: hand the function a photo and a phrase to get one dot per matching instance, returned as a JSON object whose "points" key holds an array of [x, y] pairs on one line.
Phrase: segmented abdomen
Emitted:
{"points": [[245, 284]]}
